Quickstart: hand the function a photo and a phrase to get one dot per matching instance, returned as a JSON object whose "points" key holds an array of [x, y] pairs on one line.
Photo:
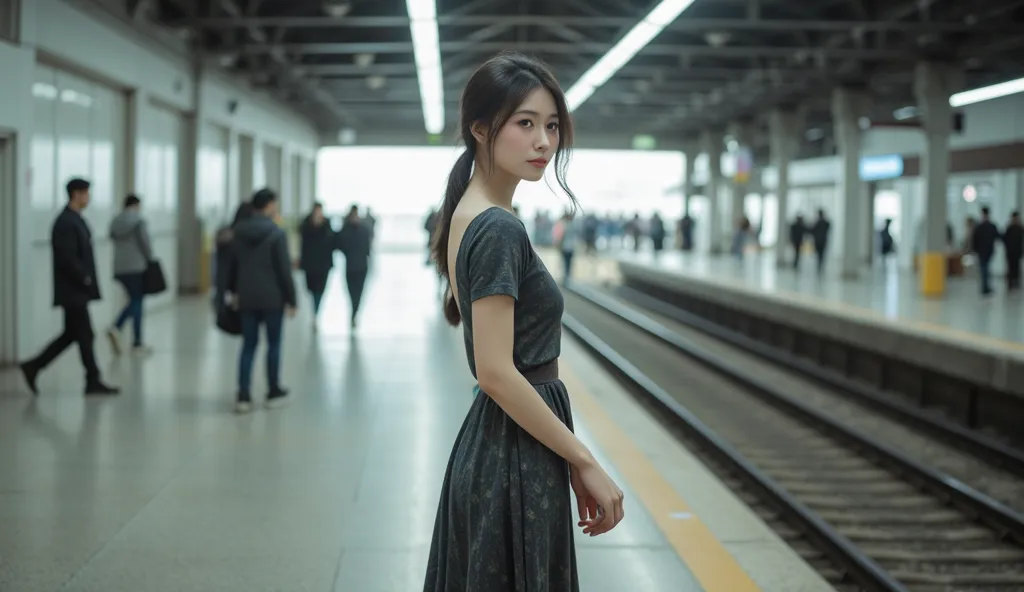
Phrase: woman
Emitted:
{"points": [[132, 254], [504, 521], [354, 241], [316, 256]]}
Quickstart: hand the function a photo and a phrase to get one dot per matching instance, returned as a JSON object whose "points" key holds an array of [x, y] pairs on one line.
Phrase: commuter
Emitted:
{"points": [[260, 282], [566, 238], [1013, 245], [635, 229], [742, 237], [224, 252], [819, 233], [429, 225], [490, 530], [686, 232], [797, 235], [354, 241], [657, 230], [316, 255], [132, 254], [983, 243], [74, 286], [888, 243]]}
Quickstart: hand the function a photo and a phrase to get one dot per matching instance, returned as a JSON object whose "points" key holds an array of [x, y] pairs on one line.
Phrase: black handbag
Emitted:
{"points": [[153, 281], [229, 320]]}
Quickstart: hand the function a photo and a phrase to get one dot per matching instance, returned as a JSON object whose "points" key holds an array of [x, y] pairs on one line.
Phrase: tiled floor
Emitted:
{"points": [[890, 294], [163, 488]]}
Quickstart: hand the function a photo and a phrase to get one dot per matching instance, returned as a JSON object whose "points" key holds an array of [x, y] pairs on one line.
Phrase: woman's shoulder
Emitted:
{"points": [[495, 224]]}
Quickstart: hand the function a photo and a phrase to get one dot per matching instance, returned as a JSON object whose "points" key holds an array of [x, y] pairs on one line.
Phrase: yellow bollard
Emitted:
{"points": [[933, 274], [204, 266]]}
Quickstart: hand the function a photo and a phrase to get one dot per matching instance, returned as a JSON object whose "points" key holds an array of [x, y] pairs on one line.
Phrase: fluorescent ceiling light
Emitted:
{"points": [[985, 93], [636, 39], [427, 52]]}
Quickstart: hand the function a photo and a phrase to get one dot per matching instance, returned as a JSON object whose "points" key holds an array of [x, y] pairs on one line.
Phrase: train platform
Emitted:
{"points": [[960, 355], [164, 488]]}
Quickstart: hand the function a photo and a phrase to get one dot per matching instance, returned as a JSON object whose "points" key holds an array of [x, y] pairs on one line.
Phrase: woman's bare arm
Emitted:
{"points": [[493, 335]]}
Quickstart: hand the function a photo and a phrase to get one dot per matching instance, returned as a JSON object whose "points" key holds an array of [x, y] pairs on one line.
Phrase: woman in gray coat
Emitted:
{"points": [[132, 254]]}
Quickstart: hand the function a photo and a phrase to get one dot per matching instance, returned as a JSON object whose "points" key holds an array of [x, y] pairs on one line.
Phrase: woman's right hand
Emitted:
{"points": [[599, 499]]}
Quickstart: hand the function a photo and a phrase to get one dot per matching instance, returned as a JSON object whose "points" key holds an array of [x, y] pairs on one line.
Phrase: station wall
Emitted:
{"points": [[85, 95]]}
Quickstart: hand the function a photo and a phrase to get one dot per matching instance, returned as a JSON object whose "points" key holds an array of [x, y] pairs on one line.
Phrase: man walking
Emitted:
{"points": [[74, 286], [260, 278]]}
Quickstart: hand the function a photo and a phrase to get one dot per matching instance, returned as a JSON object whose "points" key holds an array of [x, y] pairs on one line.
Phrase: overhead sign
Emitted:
{"points": [[644, 142], [744, 165], [877, 168]]}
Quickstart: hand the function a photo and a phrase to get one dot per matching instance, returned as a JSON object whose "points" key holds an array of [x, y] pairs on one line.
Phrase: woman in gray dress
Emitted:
{"points": [[504, 520]]}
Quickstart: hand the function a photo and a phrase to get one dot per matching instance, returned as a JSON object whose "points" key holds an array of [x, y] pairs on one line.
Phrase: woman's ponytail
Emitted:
{"points": [[458, 180]]}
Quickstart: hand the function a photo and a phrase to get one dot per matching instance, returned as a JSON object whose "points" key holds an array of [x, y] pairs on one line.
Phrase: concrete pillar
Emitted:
{"points": [[847, 109], [691, 149], [933, 85], [190, 233], [785, 128], [711, 143], [743, 133]]}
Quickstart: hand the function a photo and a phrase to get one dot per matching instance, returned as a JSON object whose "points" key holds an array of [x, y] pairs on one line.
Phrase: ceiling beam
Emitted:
{"points": [[666, 49], [693, 25]]}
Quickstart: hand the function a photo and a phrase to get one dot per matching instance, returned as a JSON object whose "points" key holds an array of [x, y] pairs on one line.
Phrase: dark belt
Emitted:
{"points": [[544, 373]]}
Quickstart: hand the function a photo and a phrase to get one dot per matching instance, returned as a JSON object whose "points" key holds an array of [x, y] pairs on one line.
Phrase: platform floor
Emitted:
{"points": [[961, 313], [164, 488]]}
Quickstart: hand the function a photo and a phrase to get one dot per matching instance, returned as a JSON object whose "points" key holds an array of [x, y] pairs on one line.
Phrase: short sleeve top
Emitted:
{"points": [[496, 257]]}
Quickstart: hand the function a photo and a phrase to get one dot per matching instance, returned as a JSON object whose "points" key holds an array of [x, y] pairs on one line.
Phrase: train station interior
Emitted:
{"points": [[786, 312]]}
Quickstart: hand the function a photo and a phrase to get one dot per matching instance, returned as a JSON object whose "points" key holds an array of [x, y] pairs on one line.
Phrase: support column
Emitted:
{"points": [[711, 143], [933, 85], [847, 108], [691, 149], [785, 127], [191, 269]]}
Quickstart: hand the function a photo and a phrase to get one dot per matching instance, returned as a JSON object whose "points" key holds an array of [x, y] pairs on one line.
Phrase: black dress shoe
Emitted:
{"points": [[30, 373], [101, 389]]}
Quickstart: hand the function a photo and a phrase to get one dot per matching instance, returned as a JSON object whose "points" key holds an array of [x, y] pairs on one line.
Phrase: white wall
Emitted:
{"points": [[145, 102]]}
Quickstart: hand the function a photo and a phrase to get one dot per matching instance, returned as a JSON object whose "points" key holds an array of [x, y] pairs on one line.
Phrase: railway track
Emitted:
{"points": [[861, 511]]}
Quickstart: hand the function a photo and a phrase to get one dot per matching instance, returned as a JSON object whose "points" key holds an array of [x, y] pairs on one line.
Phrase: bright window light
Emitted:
{"points": [[427, 52], [986, 93], [636, 39]]}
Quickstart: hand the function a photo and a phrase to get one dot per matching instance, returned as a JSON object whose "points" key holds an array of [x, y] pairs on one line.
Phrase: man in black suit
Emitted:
{"points": [[74, 286]]}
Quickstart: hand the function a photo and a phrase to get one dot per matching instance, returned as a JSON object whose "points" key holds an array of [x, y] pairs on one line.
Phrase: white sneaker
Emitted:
{"points": [[243, 407], [142, 350]]}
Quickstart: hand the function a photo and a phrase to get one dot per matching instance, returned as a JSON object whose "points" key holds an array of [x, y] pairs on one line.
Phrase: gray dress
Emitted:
{"points": [[505, 518]]}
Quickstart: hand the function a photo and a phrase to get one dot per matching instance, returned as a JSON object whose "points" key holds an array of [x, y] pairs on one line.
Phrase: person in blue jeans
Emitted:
{"points": [[262, 288], [132, 254]]}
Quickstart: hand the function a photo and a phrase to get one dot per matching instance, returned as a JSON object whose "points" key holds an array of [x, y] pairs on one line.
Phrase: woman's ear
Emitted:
{"points": [[479, 131]]}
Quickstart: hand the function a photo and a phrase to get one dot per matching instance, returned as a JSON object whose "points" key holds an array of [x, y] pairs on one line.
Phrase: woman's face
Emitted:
{"points": [[529, 139]]}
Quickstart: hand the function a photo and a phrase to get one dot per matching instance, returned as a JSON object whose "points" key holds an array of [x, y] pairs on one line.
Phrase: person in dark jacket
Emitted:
{"points": [[316, 257], [983, 243], [132, 254], [797, 234], [354, 240], [74, 286], [1013, 247], [819, 233], [262, 288], [223, 254]]}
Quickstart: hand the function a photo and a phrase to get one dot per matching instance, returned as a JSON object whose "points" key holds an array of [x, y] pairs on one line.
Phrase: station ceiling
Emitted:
{"points": [[350, 64]]}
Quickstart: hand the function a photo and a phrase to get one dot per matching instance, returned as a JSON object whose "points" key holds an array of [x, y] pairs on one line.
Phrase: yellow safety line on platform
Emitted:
{"points": [[714, 567]]}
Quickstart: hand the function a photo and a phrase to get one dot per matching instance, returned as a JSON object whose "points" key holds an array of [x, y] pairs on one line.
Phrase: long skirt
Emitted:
{"points": [[505, 519]]}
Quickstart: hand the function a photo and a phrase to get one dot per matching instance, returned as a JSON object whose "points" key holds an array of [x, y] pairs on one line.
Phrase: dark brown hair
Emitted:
{"points": [[492, 95]]}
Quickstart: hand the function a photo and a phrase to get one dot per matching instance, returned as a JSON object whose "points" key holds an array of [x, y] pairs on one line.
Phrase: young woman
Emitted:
{"points": [[316, 254], [504, 521]]}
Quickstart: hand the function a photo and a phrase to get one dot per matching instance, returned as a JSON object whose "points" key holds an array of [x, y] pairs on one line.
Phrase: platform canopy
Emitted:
{"points": [[366, 66]]}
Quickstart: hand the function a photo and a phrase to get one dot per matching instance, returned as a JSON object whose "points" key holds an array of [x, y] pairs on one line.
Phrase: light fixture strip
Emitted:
{"points": [[618, 56], [427, 51], [987, 93]]}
